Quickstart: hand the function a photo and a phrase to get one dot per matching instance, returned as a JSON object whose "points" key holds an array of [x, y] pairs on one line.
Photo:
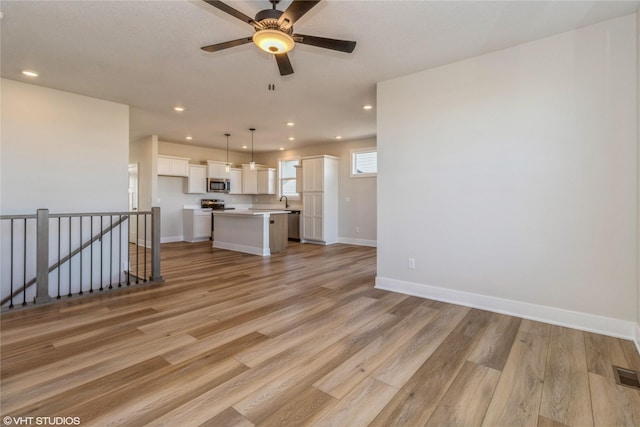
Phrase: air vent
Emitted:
{"points": [[627, 377]]}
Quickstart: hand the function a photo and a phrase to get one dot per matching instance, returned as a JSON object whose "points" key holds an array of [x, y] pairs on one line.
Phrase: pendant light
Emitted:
{"points": [[252, 165], [227, 167]]}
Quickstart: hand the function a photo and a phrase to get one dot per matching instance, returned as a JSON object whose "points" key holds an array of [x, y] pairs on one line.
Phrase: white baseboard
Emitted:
{"points": [[253, 250], [555, 316], [358, 242], [171, 239], [144, 244]]}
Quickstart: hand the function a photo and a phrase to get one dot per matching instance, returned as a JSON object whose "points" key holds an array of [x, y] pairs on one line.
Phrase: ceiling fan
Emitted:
{"points": [[274, 32]]}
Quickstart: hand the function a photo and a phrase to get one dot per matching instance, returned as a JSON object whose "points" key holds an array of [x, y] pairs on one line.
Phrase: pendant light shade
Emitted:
{"points": [[252, 165], [227, 167]]}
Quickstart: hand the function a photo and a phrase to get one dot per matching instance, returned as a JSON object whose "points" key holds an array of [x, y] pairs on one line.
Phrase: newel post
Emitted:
{"points": [[156, 275], [42, 257]]}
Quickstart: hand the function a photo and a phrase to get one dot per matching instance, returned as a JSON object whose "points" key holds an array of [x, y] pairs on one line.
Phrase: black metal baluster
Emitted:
{"points": [[11, 266], [120, 266], [59, 250], [91, 265], [128, 250], [101, 251], [111, 253], [69, 258], [81, 218], [137, 248], [24, 267], [145, 247]]}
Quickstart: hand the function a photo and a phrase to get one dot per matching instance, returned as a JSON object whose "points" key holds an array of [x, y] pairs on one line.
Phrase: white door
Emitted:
{"points": [[133, 200]]}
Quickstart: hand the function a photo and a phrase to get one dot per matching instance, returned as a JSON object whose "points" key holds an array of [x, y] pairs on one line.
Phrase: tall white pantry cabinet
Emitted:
{"points": [[320, 199]]}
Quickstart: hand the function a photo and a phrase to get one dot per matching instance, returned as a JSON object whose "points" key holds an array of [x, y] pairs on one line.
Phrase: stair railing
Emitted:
{"points": [[43, 245]]}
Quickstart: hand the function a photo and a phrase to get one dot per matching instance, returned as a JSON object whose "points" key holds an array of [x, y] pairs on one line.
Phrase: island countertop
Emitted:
{"points": [[250, 212]]}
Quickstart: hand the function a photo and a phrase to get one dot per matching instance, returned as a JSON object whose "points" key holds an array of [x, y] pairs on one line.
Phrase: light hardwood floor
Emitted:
{"points": [[302, 338]]}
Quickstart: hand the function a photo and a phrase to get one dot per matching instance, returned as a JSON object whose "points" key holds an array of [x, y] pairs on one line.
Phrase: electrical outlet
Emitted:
{"points": [[412, 263], [357, 229], [126, 266]]}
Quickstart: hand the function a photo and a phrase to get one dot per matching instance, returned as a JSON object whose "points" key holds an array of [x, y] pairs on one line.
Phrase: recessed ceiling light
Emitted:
{"points": [[179, 109], [368, 107], [291, 138], [244, 147], [339, 137], [281, 148], [29, 73], [290, 123], [189, 138]]}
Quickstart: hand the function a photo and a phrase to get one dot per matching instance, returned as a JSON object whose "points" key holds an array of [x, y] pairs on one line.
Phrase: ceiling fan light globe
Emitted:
{"points": [[273, 41]]}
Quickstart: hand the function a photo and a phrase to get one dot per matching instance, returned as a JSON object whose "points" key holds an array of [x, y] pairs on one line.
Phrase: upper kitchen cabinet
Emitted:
{"points": [[197, 181], [173, 166], [261, 180], [249, 180], [235, 176], [318, 171], [267, 181], [217, 169]]}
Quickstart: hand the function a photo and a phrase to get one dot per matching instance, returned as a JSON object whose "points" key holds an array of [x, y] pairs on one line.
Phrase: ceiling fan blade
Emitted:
{"points": [[284, 64], [333, 44], [226, 45], [295, 10], [231, 11]]}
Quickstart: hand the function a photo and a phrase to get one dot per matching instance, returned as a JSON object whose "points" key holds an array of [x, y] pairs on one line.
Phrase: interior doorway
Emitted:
{"points": [[133, 199]]}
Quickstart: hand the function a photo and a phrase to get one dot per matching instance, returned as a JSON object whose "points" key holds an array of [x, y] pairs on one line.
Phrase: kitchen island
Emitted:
{"points": [[256, 232]]}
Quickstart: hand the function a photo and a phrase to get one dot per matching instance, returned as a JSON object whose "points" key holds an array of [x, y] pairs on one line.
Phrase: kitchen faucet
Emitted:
{"points": [[286, 202]]}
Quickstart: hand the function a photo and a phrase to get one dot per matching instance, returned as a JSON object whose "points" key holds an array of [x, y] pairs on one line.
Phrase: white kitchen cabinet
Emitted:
{"points": [[197, 180], [249, 180], [261, 180], [196, 224], [267, 181], [173, 166], [217, 169], [235, 175], [320, 199], [312, 216]]}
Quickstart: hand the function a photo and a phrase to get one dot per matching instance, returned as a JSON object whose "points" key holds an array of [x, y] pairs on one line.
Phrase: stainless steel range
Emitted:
{"points": [[212, 204], [216, 205]]}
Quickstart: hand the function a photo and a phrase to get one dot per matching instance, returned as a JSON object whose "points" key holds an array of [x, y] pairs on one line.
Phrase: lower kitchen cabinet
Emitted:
{"points": [[196, 224], [278, 232], [312, 216]]}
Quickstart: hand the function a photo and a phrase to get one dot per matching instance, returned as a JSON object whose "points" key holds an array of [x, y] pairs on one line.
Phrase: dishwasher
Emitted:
{"points": [[294, 225]]}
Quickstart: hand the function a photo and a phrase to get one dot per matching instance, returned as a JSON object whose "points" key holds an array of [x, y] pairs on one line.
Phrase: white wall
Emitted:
{"points": [[517, 172], [61, 151], [357, 202]]}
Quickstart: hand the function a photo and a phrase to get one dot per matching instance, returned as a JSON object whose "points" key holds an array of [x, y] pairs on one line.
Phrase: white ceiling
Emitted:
{"points": [[147, 54]]}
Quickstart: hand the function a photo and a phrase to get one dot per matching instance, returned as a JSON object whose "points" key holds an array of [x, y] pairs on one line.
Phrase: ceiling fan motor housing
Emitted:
{"points": [[271, 14]]}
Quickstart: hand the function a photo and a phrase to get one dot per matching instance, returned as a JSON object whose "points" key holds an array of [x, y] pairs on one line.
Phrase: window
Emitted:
{"points": [[287, 178], [364, 162]]}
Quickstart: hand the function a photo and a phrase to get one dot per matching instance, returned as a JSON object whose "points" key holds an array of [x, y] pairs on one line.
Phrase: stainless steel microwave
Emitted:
{"points": [[218, 185]]}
